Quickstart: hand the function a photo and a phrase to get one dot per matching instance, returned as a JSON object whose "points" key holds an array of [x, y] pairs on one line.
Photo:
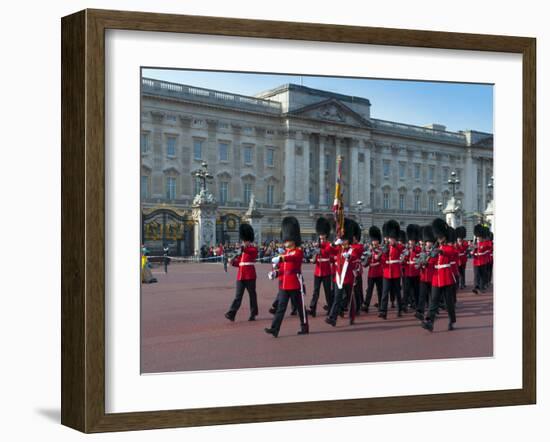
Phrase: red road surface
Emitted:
{"points": [[183, 327]]}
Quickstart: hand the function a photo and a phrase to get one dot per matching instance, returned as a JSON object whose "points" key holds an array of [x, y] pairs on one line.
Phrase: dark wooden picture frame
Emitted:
{"points": [[83, 220]]}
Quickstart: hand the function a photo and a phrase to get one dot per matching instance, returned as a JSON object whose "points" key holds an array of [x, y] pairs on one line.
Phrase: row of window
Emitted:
{"points": [[417, 171], [223, 196]]}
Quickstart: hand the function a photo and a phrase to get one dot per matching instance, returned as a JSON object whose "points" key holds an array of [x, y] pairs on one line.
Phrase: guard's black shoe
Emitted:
{"points": [[272, 310], [293, 312], [252, 318], [330, 321], [304, 330], [312, 313], [419, 316], [365, 308], [474, 290], [451, 326], [272, 331], [230, 316], [400, 313], [376, 305], [325, 308], [428, 325], [392, 305], [382, 315]]}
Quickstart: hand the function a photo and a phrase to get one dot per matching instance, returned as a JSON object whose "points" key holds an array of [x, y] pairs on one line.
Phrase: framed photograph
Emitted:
{"points": [[311, 226]]}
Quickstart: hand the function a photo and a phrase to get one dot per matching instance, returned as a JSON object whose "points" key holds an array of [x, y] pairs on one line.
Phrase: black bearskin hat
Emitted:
{"points": [[402, 236], [290, 230], [322, 226], [375, 234], [479, 230], [491, 237], [349, 230], [391, 229], [451, 234], [440, 228], [413, 232], [356, 230], [461, 232], [246, 232], [428, 234]]}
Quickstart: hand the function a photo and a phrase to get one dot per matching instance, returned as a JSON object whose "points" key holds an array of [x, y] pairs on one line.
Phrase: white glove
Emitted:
{"points": [[346, 254], [275, 260], [338, 242], [281, 250]]}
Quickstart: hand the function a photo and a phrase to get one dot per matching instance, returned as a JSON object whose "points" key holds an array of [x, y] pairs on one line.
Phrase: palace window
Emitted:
{"points": [[270, 157], [144, 142], [327, 161], [224, 185], [361, 157], [269, 195], [247, 194], [431, 203], [402, 170], [417, 202], [431, 173], [171, 146], [197, 149], [386, 200], [386, 168], [401, 201], [248, 130], [224, 151], [417, 172], [170, 188], [445, 175], [248, 155], [144, 187]]}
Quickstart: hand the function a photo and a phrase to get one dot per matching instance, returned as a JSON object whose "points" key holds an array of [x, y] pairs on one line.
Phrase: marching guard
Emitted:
{"points": [[374, 264], [289, 273], [322, 260], [442, 279], [482, 249], [392, 263], [345, 257], [357, 268], [412, 272], [246, 273], [462, 246], [426, 264]]}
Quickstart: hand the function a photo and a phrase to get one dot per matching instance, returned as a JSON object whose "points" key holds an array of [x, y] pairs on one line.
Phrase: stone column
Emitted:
{"points": [[304, 176], [254, 218], [354, 172], [322, 184], [204, 214], [366, 173], [290, 170], [450, 212]]}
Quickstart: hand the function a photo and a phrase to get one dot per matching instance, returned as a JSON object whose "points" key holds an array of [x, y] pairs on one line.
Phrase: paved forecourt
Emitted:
{"points": [[183, 327]]}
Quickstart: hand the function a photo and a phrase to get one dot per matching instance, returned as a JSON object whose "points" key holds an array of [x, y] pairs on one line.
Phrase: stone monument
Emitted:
{"points": [[451, 212], [254, 218], [204, 212]]}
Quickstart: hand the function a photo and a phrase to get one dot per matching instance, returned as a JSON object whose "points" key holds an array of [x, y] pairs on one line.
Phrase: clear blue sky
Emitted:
{"points": [[459, 106]]}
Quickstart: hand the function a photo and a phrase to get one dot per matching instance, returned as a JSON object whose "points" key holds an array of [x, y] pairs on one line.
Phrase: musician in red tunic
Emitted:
{"points": [[392, 264], [374, 264], [344, 257], [290, 277], [442, 279], [462, 248], [322, 273], [246, 273], [357, 269], [451, 240], [411, 271], [426, 272], [482, 250]]}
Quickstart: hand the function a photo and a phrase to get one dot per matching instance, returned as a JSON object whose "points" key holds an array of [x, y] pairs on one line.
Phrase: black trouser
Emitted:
{"points": [[480, 277], [446, 293], [358, 292], [283, 297], [317, 282], [462, 276], [489, 273], [166, 262], [391, 288], [410, 294], [371, 282], [424, 289], [342, 294], [250, 286], [276, 303]]}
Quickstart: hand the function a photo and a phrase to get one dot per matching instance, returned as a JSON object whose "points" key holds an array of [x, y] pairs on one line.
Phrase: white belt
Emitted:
{"points": [[246, 263], [374, 264], [461, 254], [483, 253], [453, 262], [393, 261], [442, 266], [323, 259], [411, 262]]}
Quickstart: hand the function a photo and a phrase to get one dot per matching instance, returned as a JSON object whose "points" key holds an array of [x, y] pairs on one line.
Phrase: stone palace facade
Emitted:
{"points": [[281, 146]]}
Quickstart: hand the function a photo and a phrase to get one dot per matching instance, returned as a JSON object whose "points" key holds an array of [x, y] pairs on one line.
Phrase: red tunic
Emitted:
{"points": [[482, 253], [340, 260], [443, 274], [289, 268], [358, 250], [462, 250], [375, 264], [410, 266], [391, 262], [245, 262], [322, 260], [427, 272]]}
